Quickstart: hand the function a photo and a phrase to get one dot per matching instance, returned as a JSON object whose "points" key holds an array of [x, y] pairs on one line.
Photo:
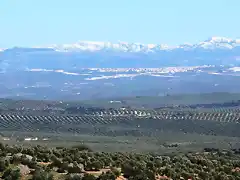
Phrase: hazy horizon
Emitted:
{"points": [[27, 23]]}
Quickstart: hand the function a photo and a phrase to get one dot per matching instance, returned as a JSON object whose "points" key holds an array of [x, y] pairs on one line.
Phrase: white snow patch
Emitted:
{"points": [[57, 71], [235, 69]]}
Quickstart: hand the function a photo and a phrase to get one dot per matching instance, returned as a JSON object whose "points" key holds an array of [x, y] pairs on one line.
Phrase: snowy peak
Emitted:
{"points": [[219, 43], [222, 40], [216, 39]]}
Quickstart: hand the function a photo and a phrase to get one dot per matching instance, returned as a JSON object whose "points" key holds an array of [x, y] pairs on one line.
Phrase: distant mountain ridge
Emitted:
{"points": [[84, 54], [90, 70], [212, 43]]}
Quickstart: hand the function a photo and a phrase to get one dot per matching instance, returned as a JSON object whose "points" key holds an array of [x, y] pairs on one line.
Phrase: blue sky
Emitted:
{"points": [[41, 22]]}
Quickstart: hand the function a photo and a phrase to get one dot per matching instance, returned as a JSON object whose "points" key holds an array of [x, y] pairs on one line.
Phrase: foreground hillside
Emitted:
{"points": [[80, 163]]}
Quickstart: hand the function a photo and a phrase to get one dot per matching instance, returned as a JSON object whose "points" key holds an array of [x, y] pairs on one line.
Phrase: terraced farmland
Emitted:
{"points": [[137, 122], [75, 118]]}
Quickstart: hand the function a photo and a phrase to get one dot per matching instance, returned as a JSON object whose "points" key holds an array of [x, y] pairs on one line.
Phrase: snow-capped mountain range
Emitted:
{"points": [[211, 43], [92, 46], [85, 54]]}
